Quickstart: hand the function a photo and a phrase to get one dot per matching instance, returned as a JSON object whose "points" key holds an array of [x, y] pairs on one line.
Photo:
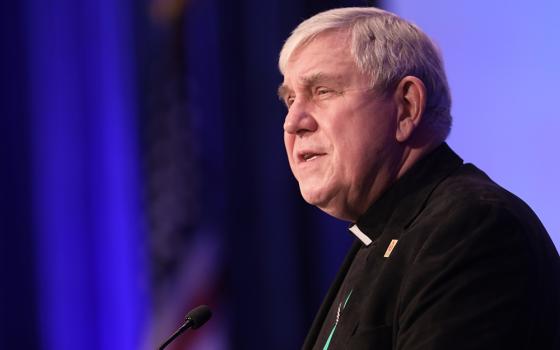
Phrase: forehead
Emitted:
{"points": [[328, 54]]}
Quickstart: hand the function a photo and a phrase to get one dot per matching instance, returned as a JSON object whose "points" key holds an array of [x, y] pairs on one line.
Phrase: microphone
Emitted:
{"points": [[194, 319]]}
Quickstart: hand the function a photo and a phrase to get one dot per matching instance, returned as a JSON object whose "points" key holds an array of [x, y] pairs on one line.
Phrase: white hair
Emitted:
{"points": [[387, 48]]}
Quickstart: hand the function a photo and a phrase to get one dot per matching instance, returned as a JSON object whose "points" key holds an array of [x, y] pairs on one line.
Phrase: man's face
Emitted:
{"points": [[338, 133]]}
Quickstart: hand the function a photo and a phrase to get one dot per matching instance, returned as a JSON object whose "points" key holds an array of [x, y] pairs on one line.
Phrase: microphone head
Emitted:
{"points": [[198, 316]]}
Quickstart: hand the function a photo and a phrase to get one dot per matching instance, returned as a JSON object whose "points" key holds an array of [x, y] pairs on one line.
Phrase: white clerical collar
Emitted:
{"points": [[361, 236]]}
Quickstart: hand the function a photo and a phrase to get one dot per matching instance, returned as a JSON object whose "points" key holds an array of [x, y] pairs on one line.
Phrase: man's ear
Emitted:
{"points": [[410, 98]]}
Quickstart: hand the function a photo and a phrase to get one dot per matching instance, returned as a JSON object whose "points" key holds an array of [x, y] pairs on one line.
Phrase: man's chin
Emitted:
{"points": [[324, 202], [327, 204], [313, 196]]}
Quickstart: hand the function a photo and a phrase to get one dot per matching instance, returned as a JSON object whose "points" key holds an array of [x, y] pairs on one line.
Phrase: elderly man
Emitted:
{"points": [[444, 257]]}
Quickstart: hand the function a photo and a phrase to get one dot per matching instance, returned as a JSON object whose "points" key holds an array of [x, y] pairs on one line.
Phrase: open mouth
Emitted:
{"points": [[309, 156]]}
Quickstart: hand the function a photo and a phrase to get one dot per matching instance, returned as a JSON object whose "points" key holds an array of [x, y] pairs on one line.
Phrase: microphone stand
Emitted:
{"points": [[178, 332]]}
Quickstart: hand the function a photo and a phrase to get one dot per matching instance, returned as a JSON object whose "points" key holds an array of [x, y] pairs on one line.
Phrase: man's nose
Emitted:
{"points": [[299, 119]]}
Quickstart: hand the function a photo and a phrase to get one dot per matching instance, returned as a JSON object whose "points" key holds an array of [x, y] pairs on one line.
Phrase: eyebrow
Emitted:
{"points": [[308, 81], [317, 78]]}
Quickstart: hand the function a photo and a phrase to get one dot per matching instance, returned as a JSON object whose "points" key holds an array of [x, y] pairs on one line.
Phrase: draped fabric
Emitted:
{"points": [[18, 307], [85, 175], [74, 228], [144, 173]]}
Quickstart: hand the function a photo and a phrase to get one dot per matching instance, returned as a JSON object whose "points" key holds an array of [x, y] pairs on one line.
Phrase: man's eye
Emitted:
{"points": [[322, 91], [289, 101]]}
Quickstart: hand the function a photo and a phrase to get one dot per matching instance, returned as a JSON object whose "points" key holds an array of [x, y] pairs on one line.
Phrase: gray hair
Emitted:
{"points": [[387, 48]]}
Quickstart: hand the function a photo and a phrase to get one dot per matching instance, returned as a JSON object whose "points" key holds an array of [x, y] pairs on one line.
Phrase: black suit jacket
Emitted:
{"points": [[473, 268]]}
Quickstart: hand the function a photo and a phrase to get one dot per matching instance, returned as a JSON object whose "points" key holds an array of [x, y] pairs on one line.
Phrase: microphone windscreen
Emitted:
{"points": [[199, 315]]}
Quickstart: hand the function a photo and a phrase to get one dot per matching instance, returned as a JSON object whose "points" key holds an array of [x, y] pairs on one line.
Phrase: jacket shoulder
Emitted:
{"points": [[469, 196]]}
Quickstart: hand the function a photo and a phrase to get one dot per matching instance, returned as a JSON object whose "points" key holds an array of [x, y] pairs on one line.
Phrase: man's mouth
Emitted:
{"points": [[309, 156]]}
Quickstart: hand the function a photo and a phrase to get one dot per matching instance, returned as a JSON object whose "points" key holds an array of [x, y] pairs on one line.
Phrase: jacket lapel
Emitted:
{"points": [[331, 295]]}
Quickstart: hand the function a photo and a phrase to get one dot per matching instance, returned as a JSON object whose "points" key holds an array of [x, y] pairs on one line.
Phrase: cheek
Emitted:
{"points": [[353, 151]]}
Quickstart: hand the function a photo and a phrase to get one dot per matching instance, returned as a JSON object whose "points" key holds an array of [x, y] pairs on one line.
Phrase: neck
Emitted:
{"points": [[411, 155]]}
